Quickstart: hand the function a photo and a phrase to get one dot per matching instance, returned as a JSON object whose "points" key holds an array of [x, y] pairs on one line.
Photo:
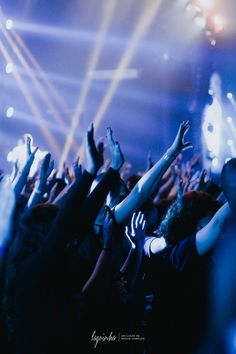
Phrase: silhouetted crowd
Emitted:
{"points": [[96, 260]]}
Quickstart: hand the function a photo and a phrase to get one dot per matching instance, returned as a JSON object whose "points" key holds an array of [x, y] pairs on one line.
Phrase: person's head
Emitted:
{"points": [[187, 216], [117, 193], [228, 182], [131, 181]]}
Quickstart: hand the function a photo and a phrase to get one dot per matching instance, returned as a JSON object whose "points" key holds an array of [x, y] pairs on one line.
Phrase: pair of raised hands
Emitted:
{"points": [[94, 154]]}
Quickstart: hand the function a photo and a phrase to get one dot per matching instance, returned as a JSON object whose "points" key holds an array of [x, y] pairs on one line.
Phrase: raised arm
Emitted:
{"points": [[40, 186], [20, 181], [7, 204], [149, 183], [46, 259], [206, 238], [136, 235], [96, 288], [97, 197]]}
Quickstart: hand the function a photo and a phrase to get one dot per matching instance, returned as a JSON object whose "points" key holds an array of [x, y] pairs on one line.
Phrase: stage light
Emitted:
{"points": [[9, 24], [208, 33], [229, 120], [166, 56], [213, 42], [229, 95], [200, 21], [230, 142], [32, 104], [9, 68], [218, 20], [189, 7], [34, 80], [211, 92], [192, 7], [206, 3], [9, 112]]}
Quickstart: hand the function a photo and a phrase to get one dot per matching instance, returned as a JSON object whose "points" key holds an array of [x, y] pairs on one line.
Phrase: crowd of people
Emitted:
{"points": [[97, 260]]}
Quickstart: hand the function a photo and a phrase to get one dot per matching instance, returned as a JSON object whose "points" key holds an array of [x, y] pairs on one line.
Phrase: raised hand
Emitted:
{"points": [[94, 155], [28, 147], [46, 168], [179, 144], [117, 158], [183, 186], [77, 168], [137, 231]]}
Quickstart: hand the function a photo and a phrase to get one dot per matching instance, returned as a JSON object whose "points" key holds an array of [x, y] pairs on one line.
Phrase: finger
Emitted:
{"points": [[100, 147], [141, 218], [144, 223], [110, 136], [137, 220], [35, 150], [133, 224], [127, 234], [187, 145], [28, 145], [185, 129], [90, 137]]}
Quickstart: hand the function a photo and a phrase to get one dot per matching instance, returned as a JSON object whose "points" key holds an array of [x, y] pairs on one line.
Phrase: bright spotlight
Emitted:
{"points": [[229, 120], [206, 3], [200, 21], [218, 21], [166, 56], [9, 112], [9, 24], [230, 142], [213, 42], [229, 95], [210, 92], [9, 68]]}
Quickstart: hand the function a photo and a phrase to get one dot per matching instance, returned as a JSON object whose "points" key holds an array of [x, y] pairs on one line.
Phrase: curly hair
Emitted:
{"points": [[182, 218]]}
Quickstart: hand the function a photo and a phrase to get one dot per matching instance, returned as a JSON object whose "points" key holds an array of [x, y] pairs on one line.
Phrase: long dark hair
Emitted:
{"points": [[183, 216]]}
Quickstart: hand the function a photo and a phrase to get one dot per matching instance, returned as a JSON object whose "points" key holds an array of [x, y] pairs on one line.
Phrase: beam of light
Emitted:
{"points": [[138, 34], [35, 111], [58, 78], [40, 71], [128, 74], [107, 17], [64, 33], [25, 117], [37, 84]]}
